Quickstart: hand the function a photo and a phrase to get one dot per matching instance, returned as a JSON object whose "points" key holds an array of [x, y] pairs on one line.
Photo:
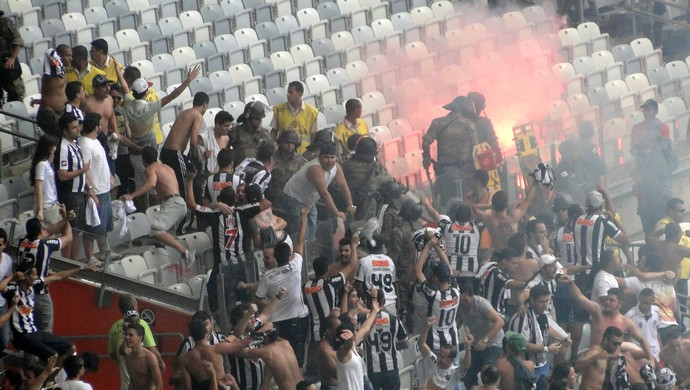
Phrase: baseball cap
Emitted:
{"points": [[131, 313], [594, 200], [517, 341], [99, 81], [140, 86], [650, 103], [546, 260], [562, 202], [442, 272], [100, 44]]}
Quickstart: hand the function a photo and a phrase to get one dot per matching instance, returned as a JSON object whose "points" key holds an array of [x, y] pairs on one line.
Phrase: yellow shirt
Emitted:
{"points": [[86, 77], [303, 122], [151, 96], [684, 269], [109, 69], [345, 130]]}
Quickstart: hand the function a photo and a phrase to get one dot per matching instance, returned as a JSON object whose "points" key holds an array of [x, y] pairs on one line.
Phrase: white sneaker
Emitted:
{"points": [[189, 257], [93, 261]]}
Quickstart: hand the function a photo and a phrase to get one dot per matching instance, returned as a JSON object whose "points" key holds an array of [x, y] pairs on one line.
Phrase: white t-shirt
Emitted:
{"points": [[440, 377], [45, 173], [648, 326], [378, 270], [74, 385], [288, 276], [5, 271], [99, 172], [603, 281]]}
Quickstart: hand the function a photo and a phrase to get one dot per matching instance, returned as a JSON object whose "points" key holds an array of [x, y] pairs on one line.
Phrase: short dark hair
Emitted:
{"points": [[352, 104], [15, 378], [73, 364], [460, 212], [561, 371], [539, 291], [320, 265], [673, 202], [265, 151], [127, 303], [647, 292], [60, 49], [149, 154], [26, 266], [202, 315], [227, 195], [345, 241], [33, 229], [65, 120], [223, 117], [304, 384], [131, 73], [197, 329], [282, 253], [517, 241], [617, 292], [72, 89], [200, 98], [117, 88], [237, 313], [481, 176], [531, 226], [225, 157], [466, 285], [605, 258], [91, 122], [575, 211], [612, 331], [453, 350], [100, 44], [137, 328], [490, 374], [672, 231], [673, 333], [80, 51], [499, 201], [3, 235], [91, 361], [297, 85]]}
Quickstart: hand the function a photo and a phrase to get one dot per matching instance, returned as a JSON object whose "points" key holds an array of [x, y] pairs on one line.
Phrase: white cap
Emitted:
{"points": [[546, 260], [140, 86]]}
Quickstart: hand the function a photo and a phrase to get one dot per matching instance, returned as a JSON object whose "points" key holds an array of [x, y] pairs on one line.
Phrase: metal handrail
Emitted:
{"points": [[3, 129], [13, 115], [105, 336]]}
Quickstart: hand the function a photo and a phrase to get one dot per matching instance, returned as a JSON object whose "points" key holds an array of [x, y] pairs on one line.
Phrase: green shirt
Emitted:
{"points": [[117, 334]]}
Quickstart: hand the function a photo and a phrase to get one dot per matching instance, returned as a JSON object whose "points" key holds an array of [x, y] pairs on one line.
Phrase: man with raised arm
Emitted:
{"points": [[442, 373], [502, 220]]}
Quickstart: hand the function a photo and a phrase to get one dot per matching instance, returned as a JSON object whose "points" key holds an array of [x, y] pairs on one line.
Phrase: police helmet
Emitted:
{"points": [[366, 147], [288, 136], [410, 210], [392, 190]]}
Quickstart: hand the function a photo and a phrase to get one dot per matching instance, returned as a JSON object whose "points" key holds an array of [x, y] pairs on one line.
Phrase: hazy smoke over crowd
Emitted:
{"points": [[512, 68]]}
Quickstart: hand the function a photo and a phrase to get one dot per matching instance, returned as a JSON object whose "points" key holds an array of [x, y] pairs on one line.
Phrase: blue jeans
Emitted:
{"points": [[385, 380], [5, 336], [542, 374], [293, 211], [480, 358]]}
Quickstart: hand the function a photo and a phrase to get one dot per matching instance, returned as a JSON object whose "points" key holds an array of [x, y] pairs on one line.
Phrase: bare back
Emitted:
{"points": [[508, 372], [53, 93], [166, 181], [326, 362], [283, 365], [501, 227], [185, 127], [142, 367], [679, 361], [600, 323], [104, 108], [193, 362]]}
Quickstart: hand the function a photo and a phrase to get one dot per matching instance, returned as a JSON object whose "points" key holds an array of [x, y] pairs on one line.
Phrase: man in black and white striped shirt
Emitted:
{"points": [[381, 345], [258, 170], [322, 295], [496, 278], [36, 247], [73, 181]]}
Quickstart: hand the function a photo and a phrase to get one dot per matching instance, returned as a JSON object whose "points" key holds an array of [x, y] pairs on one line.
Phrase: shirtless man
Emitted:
{"points": [[501, 222], [669, 250], [280, 360], [194, 374], [185, 131], [676, 355], [516, 346], [325, 355], [101, 103], [604, 357], [606, 315], [141, 363], [172, 206], [53, 97]]}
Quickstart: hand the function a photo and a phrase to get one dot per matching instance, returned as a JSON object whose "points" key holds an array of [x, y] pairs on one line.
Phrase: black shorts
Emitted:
{"points": [[585, 283], [77, 201], [178, 162]]}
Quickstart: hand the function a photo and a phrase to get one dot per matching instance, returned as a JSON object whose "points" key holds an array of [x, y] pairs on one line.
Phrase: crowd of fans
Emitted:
{"points": [[498, 293]]}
